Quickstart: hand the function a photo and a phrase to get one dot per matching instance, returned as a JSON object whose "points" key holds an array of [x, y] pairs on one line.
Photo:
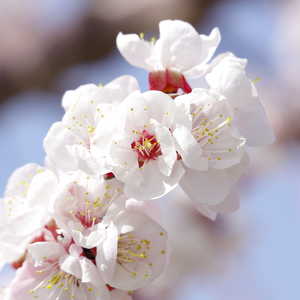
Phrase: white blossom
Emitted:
{"points": [[228, 77], [179, 53], [68, 143], [208, 147], [141, 152], [83, 206], [25, 206], [58, 274], [133, 252]]}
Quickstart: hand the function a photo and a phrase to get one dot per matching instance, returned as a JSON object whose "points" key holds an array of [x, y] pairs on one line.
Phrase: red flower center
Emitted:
{"points": [[147, 147]]}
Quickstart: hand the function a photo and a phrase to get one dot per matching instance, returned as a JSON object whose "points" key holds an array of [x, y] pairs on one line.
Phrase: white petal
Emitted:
{"points": [[229, 204], [182, 48], [27, 222], [237, 171], [71, 265], [217, 59], [123, 86], [167, 159], [85, 162], [167, 108], [107, 253], [20, 179], [154, 184], [46, 251], [189, 150], [150, 208], [55, 146], [122, 160], [208, 187], [41, 188], [90, 272], [254, 128], [137, 52], [229, 79]]}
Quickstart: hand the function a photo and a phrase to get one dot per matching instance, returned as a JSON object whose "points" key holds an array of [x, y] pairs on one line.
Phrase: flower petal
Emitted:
{"points": [[137, 52], [55, 146], [189, 150], [154, 184], [208, 187]]}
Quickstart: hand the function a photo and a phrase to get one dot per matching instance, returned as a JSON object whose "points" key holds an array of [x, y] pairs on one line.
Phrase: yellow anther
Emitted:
{"points": [[141, 169], [42, 287], [84, 116], [49, 286], [88, 211], [133, 131], [92, 101], [81, 213], [150, 264], [208, 104], [145, 108], [131, 109], [90, 289], [66, 289], [219, 158], [71, 212], [256, 79], [229, 149], [161, 233], [200, 108], [146, 275], [167, 112], [133, 273], [163, 252], [152, 40], [67, 276], [79, 229], [100, 85], [75, 182], [141, 35], [68, 199]]}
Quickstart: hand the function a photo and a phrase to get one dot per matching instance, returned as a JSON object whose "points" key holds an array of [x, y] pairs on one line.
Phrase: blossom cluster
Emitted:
{"points": [[86, 225]]}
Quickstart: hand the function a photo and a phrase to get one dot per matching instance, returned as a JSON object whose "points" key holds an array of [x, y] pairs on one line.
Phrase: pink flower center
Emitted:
{"points": [[147, 147]]}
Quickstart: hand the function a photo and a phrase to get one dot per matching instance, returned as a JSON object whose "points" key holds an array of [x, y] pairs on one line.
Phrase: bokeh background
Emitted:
{"points": [[50, 46]]}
